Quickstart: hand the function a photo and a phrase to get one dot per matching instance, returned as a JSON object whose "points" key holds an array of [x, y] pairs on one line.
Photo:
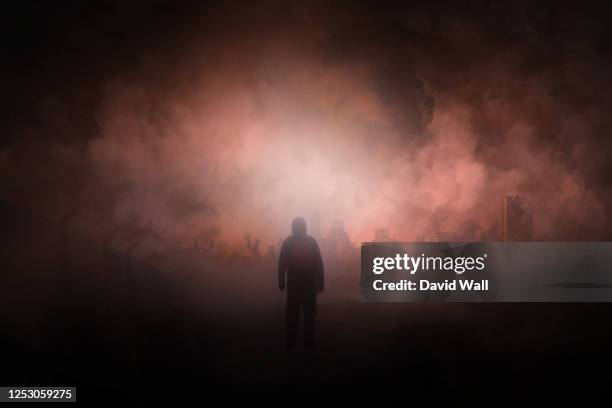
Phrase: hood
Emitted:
{"points": [[298, 226]]}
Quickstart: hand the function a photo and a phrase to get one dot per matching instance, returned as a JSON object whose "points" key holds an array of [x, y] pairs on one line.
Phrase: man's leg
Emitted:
{"points": [[310, 310], [292, 315]]}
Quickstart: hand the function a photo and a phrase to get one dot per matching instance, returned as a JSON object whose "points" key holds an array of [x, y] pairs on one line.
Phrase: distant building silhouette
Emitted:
{"points": [[255, 255], [451, 236], [516, 220], [339, 239], [381, 235], [315, 226], [270, 254]]}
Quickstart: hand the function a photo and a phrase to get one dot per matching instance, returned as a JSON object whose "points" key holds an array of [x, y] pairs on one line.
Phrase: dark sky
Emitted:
{"points": [[454, 104]]}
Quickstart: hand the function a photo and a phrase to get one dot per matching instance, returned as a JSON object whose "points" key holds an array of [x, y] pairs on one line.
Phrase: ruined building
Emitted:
{"points": [[516, 220]]}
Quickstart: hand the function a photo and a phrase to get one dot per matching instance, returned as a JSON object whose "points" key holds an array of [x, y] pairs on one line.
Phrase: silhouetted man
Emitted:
{"points": [[300, 272]]}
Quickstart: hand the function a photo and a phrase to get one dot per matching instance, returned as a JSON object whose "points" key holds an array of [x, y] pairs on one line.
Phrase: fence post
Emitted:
{"points": [[64, 251]]}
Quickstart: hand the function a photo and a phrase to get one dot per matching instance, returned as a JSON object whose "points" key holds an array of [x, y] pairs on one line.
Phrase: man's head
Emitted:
{"points": [[298, 226]]}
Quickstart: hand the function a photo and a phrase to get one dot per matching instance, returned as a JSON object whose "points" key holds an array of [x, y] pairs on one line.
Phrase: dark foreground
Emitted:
{"points": [[74, 313], [366, 352]]}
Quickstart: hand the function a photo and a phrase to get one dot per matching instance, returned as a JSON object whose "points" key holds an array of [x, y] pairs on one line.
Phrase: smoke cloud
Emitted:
{"points": [[235, 120]]}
